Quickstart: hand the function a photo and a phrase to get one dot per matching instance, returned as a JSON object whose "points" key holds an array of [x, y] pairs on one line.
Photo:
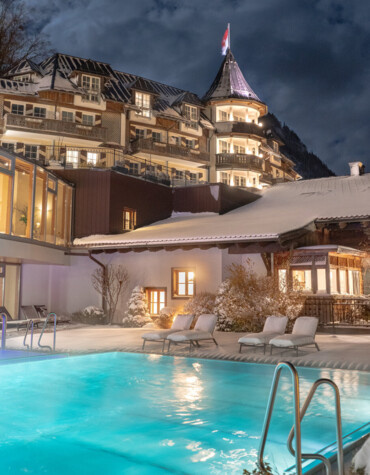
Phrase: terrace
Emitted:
{"points": [[169, 150]]}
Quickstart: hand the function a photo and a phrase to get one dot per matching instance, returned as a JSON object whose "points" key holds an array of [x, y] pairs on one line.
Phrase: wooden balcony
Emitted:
{"points": [[169, 150], [53, 126], [239, 128], [239, 161]]}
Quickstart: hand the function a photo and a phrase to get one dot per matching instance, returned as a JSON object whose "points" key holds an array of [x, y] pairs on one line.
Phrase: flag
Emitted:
{"points": [[225, 44]]}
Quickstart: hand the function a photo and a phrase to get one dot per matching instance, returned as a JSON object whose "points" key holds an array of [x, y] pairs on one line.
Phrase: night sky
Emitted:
{"points": [[309, 60]]}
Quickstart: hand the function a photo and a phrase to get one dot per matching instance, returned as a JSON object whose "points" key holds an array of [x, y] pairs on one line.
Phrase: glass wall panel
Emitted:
{"points": [[39, 220], [68, 211], [50, 217], [61, 214], [343, 281], [11, 289], [333, 281], [302, 280], [5, 202], [321, 281], [22, 199]]}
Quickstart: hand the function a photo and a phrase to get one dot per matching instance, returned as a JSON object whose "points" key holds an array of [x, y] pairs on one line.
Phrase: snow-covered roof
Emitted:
{"points": [[281, 209]]}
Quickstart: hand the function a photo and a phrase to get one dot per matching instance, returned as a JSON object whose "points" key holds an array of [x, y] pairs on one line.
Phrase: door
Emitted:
{"points": [[9, 288]]}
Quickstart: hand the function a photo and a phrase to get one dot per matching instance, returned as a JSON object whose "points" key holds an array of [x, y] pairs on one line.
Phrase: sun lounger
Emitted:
{"points": [[273, 327], [181, 322], [303, 334], [203, 330], [10, 323]]}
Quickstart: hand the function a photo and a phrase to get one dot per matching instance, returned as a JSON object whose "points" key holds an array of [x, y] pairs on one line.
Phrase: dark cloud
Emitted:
{"points": [[309, 60]]}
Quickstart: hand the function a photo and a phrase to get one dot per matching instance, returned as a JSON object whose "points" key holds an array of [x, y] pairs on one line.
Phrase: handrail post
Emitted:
{"points": [[268, 415], [29, 324], [3, 331], [43, 330]]}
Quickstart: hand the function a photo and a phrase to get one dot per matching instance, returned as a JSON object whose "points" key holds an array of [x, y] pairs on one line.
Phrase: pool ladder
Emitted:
{"points": [[298, 416], [30, 326]]}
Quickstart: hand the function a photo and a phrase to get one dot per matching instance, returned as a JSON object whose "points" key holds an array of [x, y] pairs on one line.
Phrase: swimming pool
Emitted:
{"points": [[122, 413]]}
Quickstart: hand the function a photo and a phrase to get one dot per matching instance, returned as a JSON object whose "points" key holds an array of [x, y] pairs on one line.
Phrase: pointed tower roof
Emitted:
{"points": [[230, 83]]}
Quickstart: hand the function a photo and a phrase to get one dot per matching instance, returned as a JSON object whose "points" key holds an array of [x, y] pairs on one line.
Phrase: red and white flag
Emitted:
{"points": [[225, 44]]}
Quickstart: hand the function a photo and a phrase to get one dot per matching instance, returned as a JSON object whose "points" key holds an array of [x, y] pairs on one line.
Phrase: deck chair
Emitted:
{"points": [[10, 322], [273, 326], [303, 334], [181, 322], [203, 330]]}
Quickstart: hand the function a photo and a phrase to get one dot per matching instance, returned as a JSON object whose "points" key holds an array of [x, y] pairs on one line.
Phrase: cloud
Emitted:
{"points": [[308, 60]]}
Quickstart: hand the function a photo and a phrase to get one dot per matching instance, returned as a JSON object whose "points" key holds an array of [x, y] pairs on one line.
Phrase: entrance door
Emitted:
{"points": [[9, 288]]}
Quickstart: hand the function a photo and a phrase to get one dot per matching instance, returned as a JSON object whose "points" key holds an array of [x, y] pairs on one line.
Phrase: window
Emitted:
{"points": [[30, 151], [223, 146], [22, 199], [176, 140], [39, 112], [343, 281], [224, 116], [302, 280], [356, 282], [224, 178], [254, 181], [140, 133], [9, 146], [87, 119], [5, 200], [23, 78], [72, 157], [179, 175], [191, 113], [193, 177], [333, 281], [183, 283], [238, 118], [189, 143], [92, 158], [18, 109], [156, 300], [150, 169], [236, 181], [243, 181], [276, 146], [283, 285], [239, 149], [68, 116], [134, 168], [129, 219], [91, 83], [321, 281], [156, 136], [143, 101]]}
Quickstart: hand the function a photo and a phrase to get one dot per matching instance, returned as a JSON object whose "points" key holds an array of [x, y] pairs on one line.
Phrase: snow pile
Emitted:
{"points": [[90, 315], [137, 314], [361, 461]]}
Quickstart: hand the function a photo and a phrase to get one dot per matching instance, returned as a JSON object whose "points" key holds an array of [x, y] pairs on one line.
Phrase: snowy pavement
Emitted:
{"points": [[337, 350]]}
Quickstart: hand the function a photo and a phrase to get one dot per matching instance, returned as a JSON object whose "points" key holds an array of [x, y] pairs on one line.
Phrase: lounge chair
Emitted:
{"points": [[181, 322], [303, 334], [273, 327], [10, 323], [203, 330]]}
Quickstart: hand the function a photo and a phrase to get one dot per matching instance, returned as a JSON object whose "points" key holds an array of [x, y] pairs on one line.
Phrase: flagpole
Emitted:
{"points": [[228, 27]]}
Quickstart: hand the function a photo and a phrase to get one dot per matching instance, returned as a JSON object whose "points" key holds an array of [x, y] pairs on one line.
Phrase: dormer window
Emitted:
{"points": [[143, 101], [191, 113], [23, 78], [91, 83], [276, 146]]}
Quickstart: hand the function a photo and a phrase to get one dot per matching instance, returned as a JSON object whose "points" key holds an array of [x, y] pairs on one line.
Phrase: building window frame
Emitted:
{"points": [[155, 307], [32, 153], [129, 219], [17, 109], [143, 101], [39, 112], [188, 281], [68, 116], [86, 120]]}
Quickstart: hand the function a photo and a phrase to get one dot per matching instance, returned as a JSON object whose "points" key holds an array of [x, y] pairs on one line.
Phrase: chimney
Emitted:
{"points": [[356, 168]]}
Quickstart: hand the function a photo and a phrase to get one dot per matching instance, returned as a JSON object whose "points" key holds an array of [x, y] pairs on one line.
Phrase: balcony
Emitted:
{"points": [[169, 150], [239, 160], [239, 128], [53, 126]]}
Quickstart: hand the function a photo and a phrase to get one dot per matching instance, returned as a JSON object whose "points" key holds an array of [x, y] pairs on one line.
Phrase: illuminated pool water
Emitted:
{"points": [[120, 413]]}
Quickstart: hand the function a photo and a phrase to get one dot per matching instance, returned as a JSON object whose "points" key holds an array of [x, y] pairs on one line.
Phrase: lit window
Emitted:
{"points": [[92, 158], [179, 175], [333, 281], [191, 113], [302, 280], [72, 157], [343, 281], [224, 178], [143, 101], [18, 109], [129, 219], [283, 286], [87, 119], [183, 283], [156, 300], [176, 140], [190, 143], [156, 136], [224, 116], [39, 112], [321, 281], [239, 149], [236, 181], [30, 151], [223, 146], [356, 282], [67, 116]]}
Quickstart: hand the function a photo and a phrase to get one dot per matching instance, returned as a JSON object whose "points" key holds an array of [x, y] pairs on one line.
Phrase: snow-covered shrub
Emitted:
{"points": [[137, 314], [361, 461], [90, 315], [165, 319], [245, 300], [204, 302]]}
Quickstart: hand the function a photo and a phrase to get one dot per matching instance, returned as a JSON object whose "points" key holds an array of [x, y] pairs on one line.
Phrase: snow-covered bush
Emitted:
{"points": [[204, 302], [90, 315], [137, 314], [165, 318], [361, 461], [245, 299]]}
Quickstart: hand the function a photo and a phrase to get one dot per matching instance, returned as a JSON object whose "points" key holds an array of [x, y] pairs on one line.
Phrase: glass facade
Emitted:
{"points": [[34, 204]]}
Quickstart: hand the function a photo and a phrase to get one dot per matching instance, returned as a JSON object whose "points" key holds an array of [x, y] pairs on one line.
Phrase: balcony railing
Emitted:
{"points": [[339, 310], [239, 160], [167, 149], [237, 127], [41, 124]]}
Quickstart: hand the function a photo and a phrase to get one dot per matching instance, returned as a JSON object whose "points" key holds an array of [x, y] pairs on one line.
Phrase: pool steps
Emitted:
{"points": [[298, 416]]}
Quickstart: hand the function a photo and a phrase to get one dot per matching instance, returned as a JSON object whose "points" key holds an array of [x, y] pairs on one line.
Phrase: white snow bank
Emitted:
{"points": [[362, 459]]}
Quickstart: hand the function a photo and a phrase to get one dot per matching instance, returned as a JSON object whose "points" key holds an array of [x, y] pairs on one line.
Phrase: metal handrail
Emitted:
{"points": [[43, 329], [3, 331], [30, 323], [307, 402], [268, 415]]}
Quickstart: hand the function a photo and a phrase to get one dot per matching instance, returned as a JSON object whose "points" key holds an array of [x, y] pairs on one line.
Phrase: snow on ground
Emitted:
{"points": [[362, 459]]}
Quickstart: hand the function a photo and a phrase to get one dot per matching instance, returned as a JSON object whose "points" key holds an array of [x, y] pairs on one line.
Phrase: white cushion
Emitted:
{"points": [[158, 335], [275, 325], [257, 338], [206, 323], [189, 335], [182, 322], [305, 326], [292, 340]]}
